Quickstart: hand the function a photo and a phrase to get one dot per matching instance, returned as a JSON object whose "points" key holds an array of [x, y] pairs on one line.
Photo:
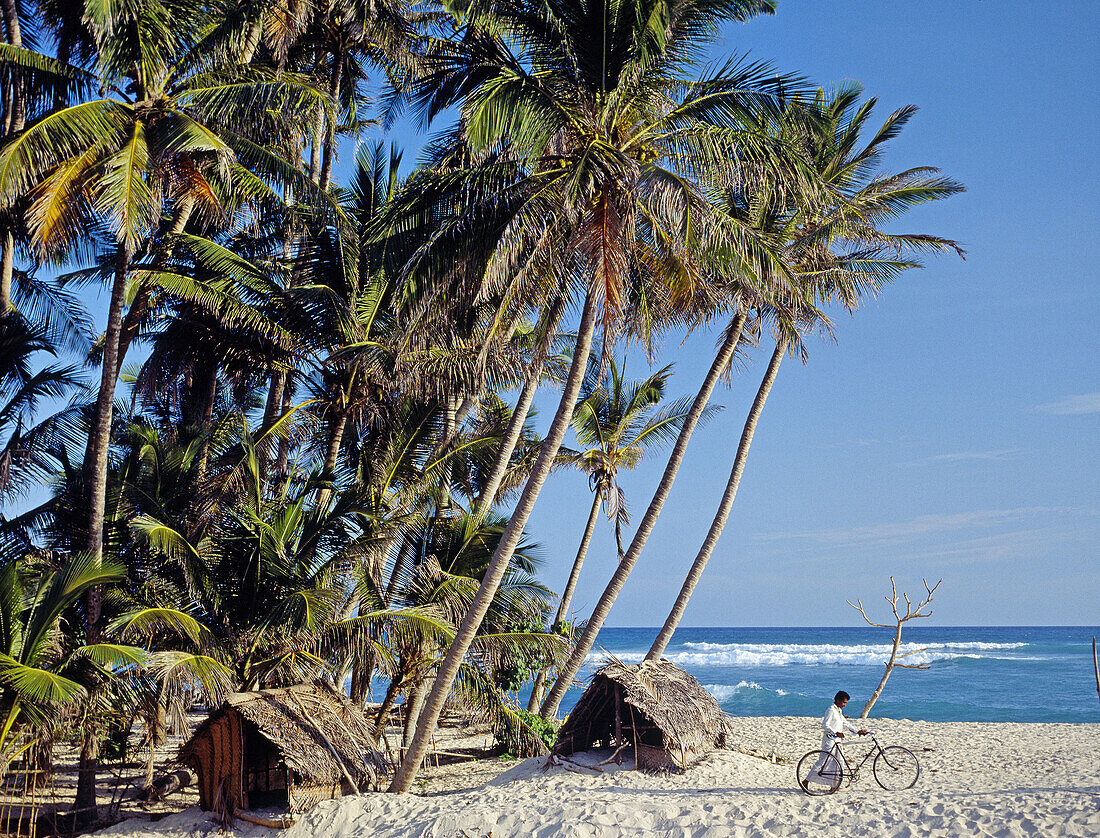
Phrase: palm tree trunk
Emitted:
{"points": [[574, 575], [96, 466], [502, 556], [722, 515], [10, 10], [414, 706], [282, 462], [274, 398], [330, 123], [15, 118], [450, 427], [387, 704], [99, 444], [315, 145], [7, 271], [329, 470], [210, 397], [567, 595], [253, 41], [588, 638], [488, 494], [141, 304]]}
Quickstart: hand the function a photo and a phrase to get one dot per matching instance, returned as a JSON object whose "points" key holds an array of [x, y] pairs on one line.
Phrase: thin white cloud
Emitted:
{"points": [[1001, 454], [1014, 544], [1072, 405], [915, 527]]}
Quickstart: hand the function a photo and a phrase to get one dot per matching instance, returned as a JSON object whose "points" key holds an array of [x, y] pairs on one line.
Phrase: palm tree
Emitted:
{"points": [[620, 422], [28, 445], [33, 654], [44, 665], [614, 142], [836, 252], [766, 273], [446, 579], [172, 131], [165, 134]]}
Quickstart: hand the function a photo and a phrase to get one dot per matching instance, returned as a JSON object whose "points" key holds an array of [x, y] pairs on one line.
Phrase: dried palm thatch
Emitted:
{"points": [[292, 746], [660, 710]]}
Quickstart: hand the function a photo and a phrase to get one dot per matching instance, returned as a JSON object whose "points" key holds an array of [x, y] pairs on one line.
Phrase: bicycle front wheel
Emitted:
{"points": [[825, 779], [896, 768]]}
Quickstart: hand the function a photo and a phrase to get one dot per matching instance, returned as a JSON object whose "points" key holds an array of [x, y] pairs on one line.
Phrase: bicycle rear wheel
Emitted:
{"points": [[826, 779], [896, 768]]}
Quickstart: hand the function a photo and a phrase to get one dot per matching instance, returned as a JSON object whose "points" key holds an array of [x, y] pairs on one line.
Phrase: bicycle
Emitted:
{"points": [[895, 768]]}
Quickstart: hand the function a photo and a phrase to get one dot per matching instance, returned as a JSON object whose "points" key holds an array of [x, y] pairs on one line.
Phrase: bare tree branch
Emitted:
{"points": [[911, 613]]}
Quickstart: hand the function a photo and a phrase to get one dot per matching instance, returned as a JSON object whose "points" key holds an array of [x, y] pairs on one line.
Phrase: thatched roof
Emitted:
{"points": [[312, 726], [674, 706]]}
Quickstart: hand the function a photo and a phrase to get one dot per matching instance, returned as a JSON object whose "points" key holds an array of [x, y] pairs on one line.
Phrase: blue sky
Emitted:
{"points": [[952, 429]]}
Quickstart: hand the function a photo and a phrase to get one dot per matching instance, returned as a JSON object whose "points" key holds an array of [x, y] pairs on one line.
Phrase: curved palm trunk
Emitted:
{"points": [[274, 399], [567, 595], [388, 702], [502, 556], [96, 465], [414, 707], [574, 575], [722, 515], [588, 638], [316, 133], [252, 42], [488, 494]]}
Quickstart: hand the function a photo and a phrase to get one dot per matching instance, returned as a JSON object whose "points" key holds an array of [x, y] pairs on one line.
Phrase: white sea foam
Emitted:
{"points": [[725, 691], [836, 654]]}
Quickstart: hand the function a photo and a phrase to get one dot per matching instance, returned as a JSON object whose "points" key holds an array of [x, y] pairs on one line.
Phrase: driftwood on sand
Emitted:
{"points": [[667, 716], [166, 785]]}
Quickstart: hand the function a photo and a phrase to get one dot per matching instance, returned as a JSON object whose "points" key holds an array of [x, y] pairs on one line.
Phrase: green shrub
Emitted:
{"points": [[525, 735]]}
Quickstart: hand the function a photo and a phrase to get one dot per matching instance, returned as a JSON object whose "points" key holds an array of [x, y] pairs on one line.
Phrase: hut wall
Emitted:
{"points": [[303, 794], [217, 755], [649, 758]]}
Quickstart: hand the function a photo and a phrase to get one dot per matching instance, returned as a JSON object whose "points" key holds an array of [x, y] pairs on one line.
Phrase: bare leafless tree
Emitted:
{"points": [[911, 612]]}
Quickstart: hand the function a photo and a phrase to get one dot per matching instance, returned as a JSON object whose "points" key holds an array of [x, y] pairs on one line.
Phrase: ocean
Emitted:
{"points": [[975, 674]]}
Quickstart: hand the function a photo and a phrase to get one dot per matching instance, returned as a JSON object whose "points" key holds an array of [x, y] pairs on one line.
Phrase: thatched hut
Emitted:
{"points": [[657, 708], [289, 747]]}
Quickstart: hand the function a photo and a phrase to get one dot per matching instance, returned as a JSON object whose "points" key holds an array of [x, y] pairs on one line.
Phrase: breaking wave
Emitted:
{"points": [[808, 654], [723, 692]]}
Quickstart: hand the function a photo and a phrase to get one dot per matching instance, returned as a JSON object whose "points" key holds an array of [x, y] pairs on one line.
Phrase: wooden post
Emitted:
{"points": [[634, 734], [618, 715], [1096, 667]]}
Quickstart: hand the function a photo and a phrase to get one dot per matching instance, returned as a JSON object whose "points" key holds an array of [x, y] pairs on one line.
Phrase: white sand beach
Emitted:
{"points": [[976, 779]]}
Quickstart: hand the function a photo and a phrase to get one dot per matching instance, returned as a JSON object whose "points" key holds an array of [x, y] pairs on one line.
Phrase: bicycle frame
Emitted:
{"points": [[851, 770]]}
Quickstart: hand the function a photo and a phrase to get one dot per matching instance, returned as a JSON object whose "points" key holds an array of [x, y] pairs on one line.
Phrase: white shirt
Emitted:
{"points": [[834, 722]]}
